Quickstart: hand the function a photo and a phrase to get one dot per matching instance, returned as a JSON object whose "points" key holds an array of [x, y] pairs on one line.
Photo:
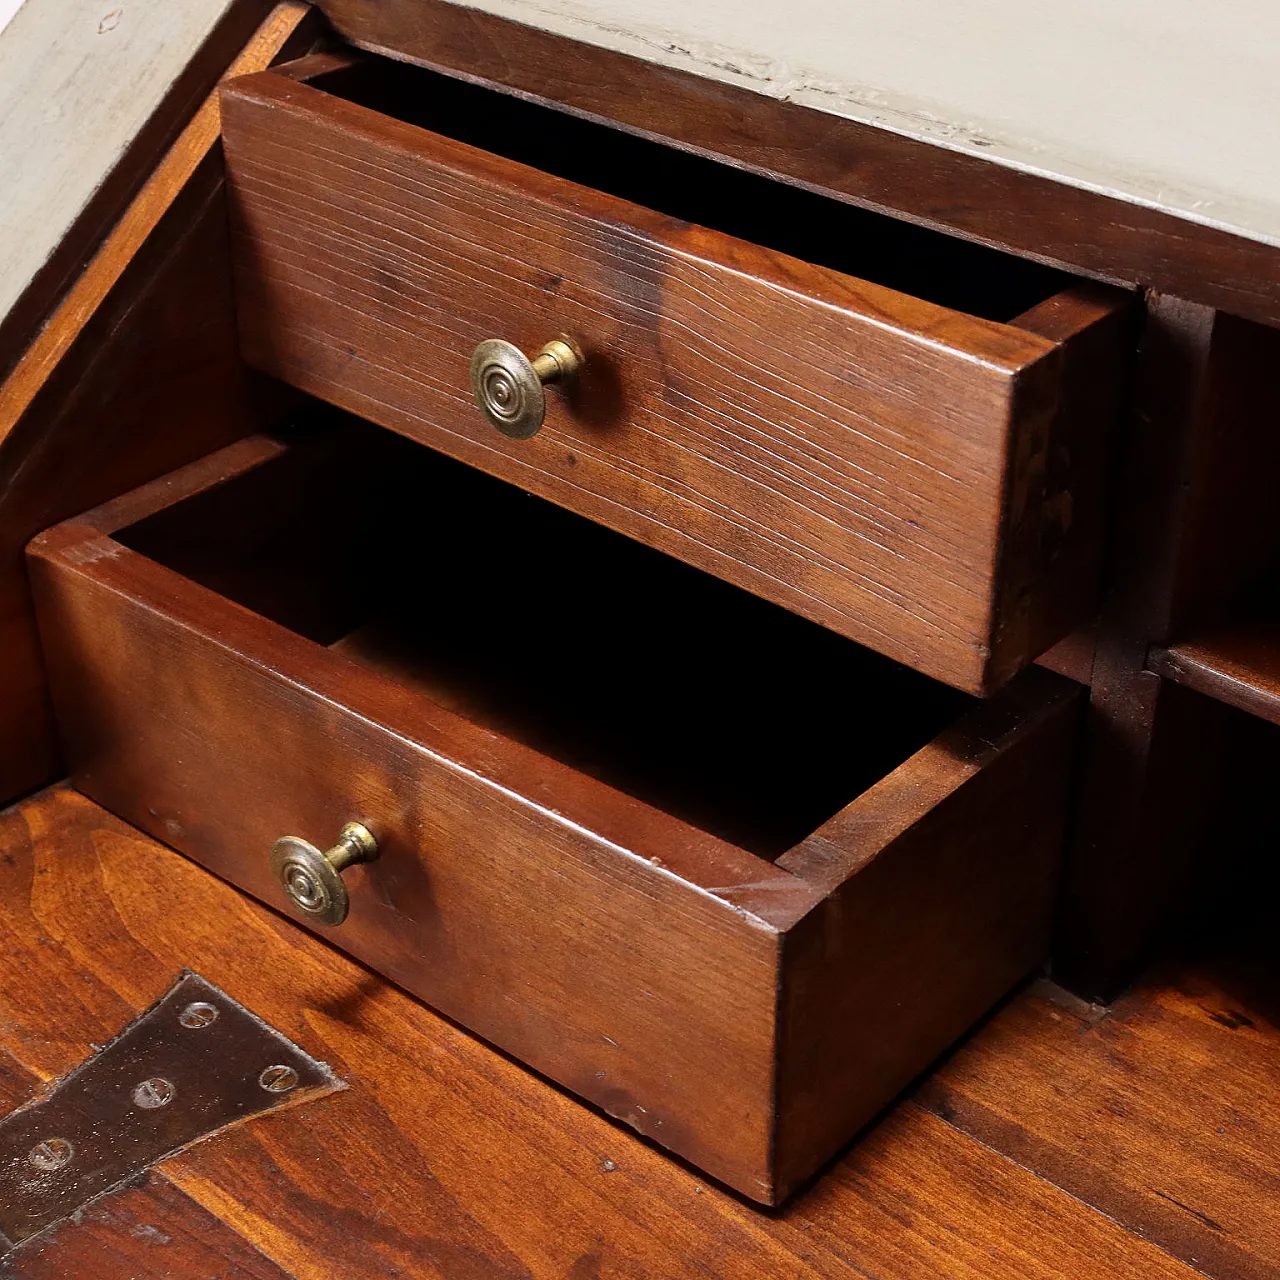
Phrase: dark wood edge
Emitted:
{"points": [[1078, 392], [869, 825], [1024, 213], [665, 845], [1214, 672], [1077, 308], [1006, 349]]}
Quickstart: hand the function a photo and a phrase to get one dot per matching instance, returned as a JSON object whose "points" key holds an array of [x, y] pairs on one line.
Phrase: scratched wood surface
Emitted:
{"points": [[446, 1159]]}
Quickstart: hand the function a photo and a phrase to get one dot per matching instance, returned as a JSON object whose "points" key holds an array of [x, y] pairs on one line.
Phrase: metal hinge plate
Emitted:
{"points": [[191, 1065]]}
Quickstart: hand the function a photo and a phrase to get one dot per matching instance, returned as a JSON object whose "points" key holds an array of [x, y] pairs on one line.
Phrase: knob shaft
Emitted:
{"points": [[508, 386], [312, 878]]}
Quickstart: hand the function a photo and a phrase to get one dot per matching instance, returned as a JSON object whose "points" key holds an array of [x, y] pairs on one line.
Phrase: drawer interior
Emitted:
{"points": [[668, 684], [966, 277]]}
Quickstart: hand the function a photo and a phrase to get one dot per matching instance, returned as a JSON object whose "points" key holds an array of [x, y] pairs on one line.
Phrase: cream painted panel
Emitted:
{"points": [[1172, 103], [78, 79]]}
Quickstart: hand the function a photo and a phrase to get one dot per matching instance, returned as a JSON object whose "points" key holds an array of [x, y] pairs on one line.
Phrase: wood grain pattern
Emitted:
{"points": [[1238, 664], [136, 372], [958, 832], [627, 955], [1025, 213], [152, 1232], [449, 1160], [874, 462], [1161, 1113]]}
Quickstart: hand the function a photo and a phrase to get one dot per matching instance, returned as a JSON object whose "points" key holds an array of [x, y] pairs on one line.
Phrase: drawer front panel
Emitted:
{"points": [[645, 994], [869, 460]]}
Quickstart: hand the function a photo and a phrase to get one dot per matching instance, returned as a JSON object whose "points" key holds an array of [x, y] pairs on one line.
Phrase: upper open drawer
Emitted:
{"points": [[894, 433]]}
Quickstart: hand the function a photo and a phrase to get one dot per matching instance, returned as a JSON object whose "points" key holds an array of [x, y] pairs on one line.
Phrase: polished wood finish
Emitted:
{"points": [[966, 821], [1237, 664], [680, 981], [445, 1158], [147, 1231], [1027, 213], [153, 1232], [136, 372], [923, 481], [1159, 1112]]}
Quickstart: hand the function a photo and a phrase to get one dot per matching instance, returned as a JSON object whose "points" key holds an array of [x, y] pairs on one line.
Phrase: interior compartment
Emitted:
{"points": [[927, 264], [662, 681]]}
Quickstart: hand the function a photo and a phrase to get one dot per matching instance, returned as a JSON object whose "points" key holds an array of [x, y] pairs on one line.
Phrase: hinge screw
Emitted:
{"points": [[278, 1079], [153, 1093], [199, 1014], [50, 1154]]}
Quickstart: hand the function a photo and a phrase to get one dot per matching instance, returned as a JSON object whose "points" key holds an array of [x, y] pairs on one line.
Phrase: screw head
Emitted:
{"points": [[153, 1093], [278, 1079], [199, 1014], [50, 1154]]}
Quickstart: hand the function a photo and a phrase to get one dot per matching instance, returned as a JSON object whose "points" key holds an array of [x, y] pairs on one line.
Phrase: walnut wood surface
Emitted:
{"points": [[622, 952], [1160, 1113], [883, 465], [1238, 664], [1022, 212], [135, 372], [448, 1160], [152, 1232]]}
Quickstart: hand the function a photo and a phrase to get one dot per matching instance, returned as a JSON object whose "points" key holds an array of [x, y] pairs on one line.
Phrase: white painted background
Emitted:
{"points": [[78, 79], [1174, 103]]}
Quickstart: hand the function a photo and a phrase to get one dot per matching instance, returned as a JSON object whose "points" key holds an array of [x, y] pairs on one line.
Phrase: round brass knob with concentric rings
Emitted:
{"points": [[312, 879], [508, 386]]}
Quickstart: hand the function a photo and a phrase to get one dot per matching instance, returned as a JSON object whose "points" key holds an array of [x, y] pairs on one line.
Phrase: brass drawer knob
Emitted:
{"points": [[508, 385], [313, 879]]}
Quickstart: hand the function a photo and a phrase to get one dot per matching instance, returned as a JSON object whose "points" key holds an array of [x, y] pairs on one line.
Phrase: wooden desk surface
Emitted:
{"points": [[1049, 1146]]}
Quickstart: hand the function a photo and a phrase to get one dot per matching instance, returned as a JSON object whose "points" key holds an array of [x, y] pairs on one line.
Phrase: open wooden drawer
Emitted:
{"points": [[714, 868], [893, 433]]}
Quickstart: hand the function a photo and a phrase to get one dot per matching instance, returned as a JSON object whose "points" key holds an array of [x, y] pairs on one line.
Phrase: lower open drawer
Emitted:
{"points": [[723, 873]]}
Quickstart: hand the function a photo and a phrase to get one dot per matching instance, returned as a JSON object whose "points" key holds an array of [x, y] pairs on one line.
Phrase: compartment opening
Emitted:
{"points": [[927, 264], [653, 677]]}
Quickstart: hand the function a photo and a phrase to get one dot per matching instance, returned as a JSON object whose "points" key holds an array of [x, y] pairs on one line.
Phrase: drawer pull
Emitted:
{"points": [[313, 879], [508, 385]]}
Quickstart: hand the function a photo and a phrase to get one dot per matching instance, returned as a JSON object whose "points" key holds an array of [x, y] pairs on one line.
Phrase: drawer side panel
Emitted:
{"points": [[940, 887]]}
